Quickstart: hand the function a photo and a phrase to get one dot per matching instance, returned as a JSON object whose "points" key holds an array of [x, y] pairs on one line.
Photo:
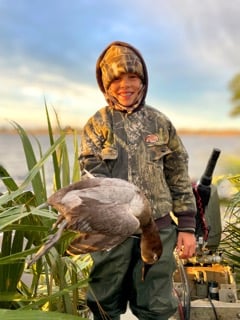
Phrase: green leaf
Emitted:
{"points": [[9, 197], [36, 315], [12, 215], [18, 257], [36, 181], [76, 167], [54, 154], [81, 283], [7, 180]]}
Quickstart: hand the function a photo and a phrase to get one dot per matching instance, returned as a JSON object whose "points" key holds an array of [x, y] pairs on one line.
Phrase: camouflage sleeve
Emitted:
{"points": [[177, 176], [92, 144]]}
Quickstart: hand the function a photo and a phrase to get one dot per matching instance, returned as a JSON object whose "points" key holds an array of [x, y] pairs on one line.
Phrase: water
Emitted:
{"points": [[199, 148], [12, 156]]}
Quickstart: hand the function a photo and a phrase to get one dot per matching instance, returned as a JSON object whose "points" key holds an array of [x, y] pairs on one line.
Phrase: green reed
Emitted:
{"points": [[56, 282]]}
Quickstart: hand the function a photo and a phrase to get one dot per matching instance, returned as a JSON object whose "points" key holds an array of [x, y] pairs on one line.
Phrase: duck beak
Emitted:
{"points": [[145, 268]]}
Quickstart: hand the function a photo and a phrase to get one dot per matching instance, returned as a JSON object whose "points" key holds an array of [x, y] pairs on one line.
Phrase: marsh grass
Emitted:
{"points": [[231, 234], [57, 282]]}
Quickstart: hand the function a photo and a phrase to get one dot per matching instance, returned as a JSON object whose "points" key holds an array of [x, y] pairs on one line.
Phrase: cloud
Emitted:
{"points": [[22, 98], [205, 32], [49, 49]]}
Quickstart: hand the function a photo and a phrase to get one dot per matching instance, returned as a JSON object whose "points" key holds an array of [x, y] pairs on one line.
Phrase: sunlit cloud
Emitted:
{"points": [[72, 101], [191, 49]]}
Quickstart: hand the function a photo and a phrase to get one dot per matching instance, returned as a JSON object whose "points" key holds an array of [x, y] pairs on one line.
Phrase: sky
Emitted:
{"points": [[49, 48]]}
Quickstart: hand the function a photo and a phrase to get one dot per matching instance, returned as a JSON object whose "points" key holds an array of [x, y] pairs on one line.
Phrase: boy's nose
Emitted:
{"points": [[124, 82]]}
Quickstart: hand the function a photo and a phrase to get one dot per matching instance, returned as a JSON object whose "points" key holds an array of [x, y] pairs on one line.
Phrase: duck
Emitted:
{"points": [[104, 212]]}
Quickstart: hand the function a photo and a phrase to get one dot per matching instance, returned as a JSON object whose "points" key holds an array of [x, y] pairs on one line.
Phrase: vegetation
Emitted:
{"points": [[231, 232], [57, 282], [235, 89]]}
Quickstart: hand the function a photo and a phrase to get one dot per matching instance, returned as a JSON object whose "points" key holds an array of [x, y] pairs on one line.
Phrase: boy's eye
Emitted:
{"points": [[132, 76], [125, 77]]}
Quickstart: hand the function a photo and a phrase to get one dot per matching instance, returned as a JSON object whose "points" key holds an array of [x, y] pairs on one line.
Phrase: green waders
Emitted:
{"points": [[115, 281]]}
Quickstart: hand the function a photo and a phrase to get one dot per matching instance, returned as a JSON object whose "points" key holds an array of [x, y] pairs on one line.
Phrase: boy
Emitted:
{"points": [[130, 140]]}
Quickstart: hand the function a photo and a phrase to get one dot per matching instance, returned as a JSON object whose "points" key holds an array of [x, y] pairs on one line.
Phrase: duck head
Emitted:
{"points": [[151, 246]]}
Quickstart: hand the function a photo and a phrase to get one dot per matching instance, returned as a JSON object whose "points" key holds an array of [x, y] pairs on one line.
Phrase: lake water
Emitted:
{"points": [[199, 148]]}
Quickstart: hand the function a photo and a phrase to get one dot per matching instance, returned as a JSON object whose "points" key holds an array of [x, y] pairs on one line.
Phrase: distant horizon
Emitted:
{"points": [[69, 130]]}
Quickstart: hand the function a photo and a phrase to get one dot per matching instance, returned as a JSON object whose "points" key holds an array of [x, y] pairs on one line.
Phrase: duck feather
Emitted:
{"points": [[103, 212]]}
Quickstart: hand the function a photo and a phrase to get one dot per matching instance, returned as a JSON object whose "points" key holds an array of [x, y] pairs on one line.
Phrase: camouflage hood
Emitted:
{"points": [[117, 58]]}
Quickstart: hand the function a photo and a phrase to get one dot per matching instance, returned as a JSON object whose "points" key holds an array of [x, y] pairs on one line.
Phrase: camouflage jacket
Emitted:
{"points": [[143, 148]]}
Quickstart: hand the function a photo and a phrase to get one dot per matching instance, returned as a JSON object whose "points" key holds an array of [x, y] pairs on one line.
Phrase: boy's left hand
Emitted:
{"points": [[186, 245]]}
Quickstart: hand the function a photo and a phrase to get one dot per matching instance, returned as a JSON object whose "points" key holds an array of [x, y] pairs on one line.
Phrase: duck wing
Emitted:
{"points": [[91, 242], [103, 205], [103, 212]]}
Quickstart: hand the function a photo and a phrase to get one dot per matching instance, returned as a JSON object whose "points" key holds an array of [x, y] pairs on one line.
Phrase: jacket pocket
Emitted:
{"points": [[157, 151]]}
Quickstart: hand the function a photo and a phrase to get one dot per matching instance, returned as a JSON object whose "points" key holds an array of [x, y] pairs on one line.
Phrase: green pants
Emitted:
{"points": [[115, 280]]}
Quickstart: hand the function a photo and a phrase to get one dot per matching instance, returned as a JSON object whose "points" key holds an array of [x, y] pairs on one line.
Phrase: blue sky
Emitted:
{"points": [[48, 49]]}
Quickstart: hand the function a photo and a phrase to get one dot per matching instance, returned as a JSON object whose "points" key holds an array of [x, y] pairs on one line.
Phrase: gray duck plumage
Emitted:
{"points": [[104, 212]]}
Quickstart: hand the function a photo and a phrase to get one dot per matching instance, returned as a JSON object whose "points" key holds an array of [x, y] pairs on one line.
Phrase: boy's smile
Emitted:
{"points": [[126, 88]]}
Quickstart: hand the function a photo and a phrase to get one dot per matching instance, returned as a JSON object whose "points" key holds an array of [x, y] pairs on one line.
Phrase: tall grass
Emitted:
{"points": [[231, 232], [57, 282]]}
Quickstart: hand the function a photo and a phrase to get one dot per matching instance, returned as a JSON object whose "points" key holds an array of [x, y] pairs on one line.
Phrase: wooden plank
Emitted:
{"points": [[202, 310]]}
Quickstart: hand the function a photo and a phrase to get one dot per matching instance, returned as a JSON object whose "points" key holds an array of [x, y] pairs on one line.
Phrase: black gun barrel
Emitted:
{"points": [[206, 178]]}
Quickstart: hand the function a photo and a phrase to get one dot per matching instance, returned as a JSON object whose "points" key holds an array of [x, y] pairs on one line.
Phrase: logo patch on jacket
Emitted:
{"points": [[151, 138]]}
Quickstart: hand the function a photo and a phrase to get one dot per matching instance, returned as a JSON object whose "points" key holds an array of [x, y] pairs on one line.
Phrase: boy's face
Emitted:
{"points": [[126, 88]]}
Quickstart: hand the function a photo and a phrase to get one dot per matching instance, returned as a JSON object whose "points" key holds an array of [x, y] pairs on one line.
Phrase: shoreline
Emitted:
{"points": [[209, 132], [181, 131]]}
